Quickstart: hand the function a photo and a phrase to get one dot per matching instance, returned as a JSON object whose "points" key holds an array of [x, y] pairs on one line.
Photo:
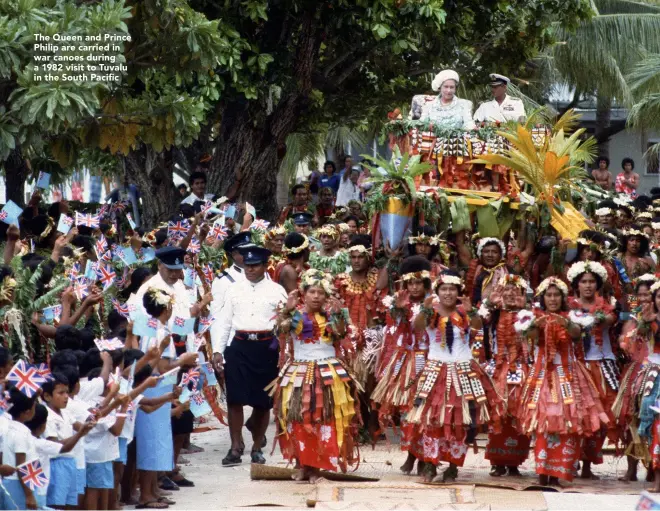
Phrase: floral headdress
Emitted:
{"points": [[655, 225], [635, 232], [160, 296], [316, 278], [297, 250], [647, 277], [581, 267], [552, 281], [278, 230], [423, 239], [416, 275], [448, 279], [328, 230], [655, 287], [644, 216], [591, 244], [343, 228], [603, 211], [513, 280], [358, 248], [487, 241]]}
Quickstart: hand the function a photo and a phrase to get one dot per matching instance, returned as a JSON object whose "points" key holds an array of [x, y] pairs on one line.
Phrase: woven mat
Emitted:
{"points": [[384, 496]]}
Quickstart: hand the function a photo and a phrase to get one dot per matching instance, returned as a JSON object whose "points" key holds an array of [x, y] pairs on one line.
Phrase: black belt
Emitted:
{"points": [[242, 335]]}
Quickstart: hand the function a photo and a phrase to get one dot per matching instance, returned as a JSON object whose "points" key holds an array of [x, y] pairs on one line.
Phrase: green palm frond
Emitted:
{"points": [[626, 6], [645, 114], [300, 148], [645, 76]]}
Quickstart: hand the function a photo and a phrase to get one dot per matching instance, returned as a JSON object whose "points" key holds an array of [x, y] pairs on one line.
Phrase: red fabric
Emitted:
{"points": [[655, 443], [556, 455], [592, 448], [436, 445], [310, 447], [507, 448]]}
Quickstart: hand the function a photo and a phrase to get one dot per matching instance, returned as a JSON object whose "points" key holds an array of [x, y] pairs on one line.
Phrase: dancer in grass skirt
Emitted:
{"points": [[510, 365], [560, 403], [404, 354], [453, 396], [315, 396]]}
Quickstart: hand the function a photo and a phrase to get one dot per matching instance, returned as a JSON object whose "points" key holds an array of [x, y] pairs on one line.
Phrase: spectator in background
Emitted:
{"points": [[330, 178], [300, 203], [183, 190], [326, 206], [602, 174], [197, 182], [627, 181], [348, 188], [347, 165], [314, 180], [363, 182], [125, 192]]}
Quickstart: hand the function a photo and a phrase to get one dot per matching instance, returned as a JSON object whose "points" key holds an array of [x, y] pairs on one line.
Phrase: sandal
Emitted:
{"points": [[165, 500], [152, 504], [232, 459]]}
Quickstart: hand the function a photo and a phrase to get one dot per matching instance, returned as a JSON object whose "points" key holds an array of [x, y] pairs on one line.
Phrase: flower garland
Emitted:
{"points": [[448, 279], [360, 249], [552, 281], [581, 267], [328, 230], [582, 319], [488, 241], [655, 287], [603, 211], [279, 230], [634, 232], [524, 321], [416, 275], [296, 250], [160, 296]]}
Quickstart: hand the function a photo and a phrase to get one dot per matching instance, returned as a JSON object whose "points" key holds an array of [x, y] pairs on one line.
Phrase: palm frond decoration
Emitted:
{"points": [[549, 165], [397, 175]]}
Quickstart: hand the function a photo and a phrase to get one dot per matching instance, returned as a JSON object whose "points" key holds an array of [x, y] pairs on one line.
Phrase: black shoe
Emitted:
{"points": [[184, 483], [231, 459], [167, 484], [258, 457]]}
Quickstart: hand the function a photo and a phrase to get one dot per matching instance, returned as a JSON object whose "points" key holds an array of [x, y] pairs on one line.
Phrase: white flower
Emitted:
{"points": [[416, 309], [581, 267], [326, 433], [483, 311], [524, 321], [388, 301], [655, 287], [581, 318], [603, 211]]}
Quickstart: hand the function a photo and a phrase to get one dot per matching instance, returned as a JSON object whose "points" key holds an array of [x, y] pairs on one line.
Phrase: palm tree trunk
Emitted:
{"points": [[16, 173], [602, 132]]}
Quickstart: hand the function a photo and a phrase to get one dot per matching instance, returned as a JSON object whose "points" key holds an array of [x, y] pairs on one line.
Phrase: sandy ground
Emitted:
{"points": [[217, 487]]}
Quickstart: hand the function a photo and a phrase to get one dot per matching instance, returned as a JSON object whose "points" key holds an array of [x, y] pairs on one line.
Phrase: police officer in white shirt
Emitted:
{"points": [[250, 362], [227, 279], [502, 107]]}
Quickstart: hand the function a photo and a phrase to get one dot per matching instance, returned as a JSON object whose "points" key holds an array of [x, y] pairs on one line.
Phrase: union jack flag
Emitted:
{"points": [[197, 398], [67, 220], [101, 245], [25, 378], [205, 323], [121, 281], [92, 221], [208, 273], [106, 276], [206, 206], [122, 308], [178, 229], [119, 206], [44, 371], [219, 232], [195, 247], [179, 321], [74, 272], [191, 376], [131, 408], [81, 288], [3, 215], [199, 341], [260, 225], [152, 323], [33, 475], [103, 210], [107, 257]]}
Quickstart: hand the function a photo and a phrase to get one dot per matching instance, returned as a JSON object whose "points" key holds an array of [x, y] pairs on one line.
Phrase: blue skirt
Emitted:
{"points": [[62, 488], [153, 435], [123, 450]]}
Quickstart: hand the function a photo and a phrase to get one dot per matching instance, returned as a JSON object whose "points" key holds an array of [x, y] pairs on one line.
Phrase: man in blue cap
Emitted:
{"points": [[303, 225], [250, 362], [228, 277]]}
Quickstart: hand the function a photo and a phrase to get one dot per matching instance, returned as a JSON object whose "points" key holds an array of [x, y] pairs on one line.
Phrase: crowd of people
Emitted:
{"points": [[117, 340]]}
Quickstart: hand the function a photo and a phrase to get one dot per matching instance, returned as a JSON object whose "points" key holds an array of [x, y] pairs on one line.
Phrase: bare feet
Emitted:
{"points": [[429, 472], [627, 477], [497, 470], [407, 467], [301, 475], [311, 474]]}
